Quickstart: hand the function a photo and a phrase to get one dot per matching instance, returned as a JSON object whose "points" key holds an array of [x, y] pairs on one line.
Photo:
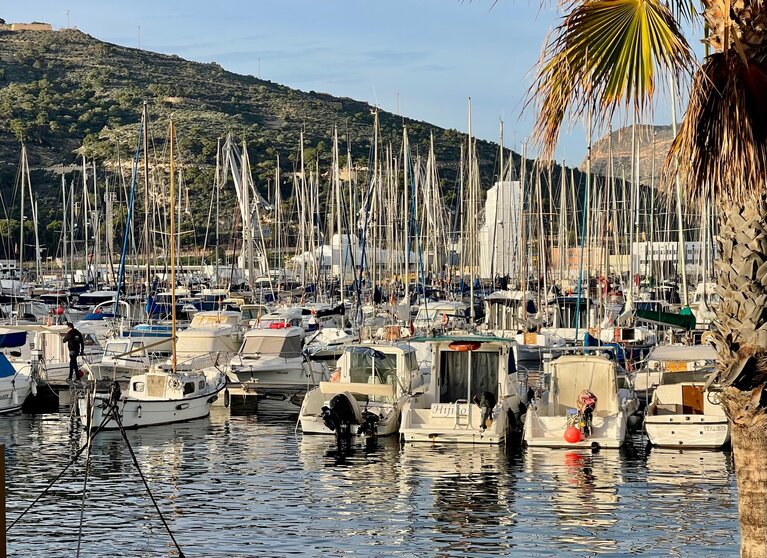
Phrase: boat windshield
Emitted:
{"points": [[115, 348], [372, 367], [286, 347], [454, 377]]}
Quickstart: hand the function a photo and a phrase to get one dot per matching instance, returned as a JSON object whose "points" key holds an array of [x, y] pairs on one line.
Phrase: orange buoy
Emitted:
{"points": [[572, 435]]}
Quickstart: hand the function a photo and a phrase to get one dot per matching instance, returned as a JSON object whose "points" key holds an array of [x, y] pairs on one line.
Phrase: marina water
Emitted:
{"points": [[248, 486]]}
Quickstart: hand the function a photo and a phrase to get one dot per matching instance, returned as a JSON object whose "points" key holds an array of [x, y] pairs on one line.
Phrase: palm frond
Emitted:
{"points": [[605, 53], [721, 146]]}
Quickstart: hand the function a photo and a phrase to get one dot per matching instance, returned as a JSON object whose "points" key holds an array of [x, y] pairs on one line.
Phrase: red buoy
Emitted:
{"points": [[60, 310], [572, 435]]}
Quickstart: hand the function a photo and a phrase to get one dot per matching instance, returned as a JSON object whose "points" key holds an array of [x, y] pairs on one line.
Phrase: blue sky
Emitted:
{"points": [[425, 56]]}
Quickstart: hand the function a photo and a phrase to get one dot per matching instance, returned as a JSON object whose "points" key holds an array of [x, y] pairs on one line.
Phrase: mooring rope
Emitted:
{"points": [[56, 479], [143, 479]]}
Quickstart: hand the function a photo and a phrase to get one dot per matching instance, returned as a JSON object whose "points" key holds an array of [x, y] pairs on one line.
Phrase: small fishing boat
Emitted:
{"points": [[581, 404], [373, 381], [474, 396], [160, 396], [168, 392]]}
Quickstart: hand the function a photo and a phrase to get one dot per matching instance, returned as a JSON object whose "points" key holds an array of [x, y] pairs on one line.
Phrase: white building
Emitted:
{"points": [[499, 246]]}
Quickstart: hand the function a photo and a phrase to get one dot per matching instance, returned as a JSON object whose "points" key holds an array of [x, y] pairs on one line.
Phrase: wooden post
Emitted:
{"points": [[2, 501]]}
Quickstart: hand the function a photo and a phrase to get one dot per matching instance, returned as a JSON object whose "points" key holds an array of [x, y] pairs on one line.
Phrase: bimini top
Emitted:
{"points": [[684, 353]]}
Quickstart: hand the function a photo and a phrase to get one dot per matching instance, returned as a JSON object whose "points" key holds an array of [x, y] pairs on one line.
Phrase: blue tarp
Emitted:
{"points": [[591, 341], [6, 368], [12, 338]]}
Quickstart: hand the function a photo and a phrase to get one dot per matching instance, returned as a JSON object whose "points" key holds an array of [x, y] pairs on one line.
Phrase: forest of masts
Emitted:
{"points": [[392, 211]]}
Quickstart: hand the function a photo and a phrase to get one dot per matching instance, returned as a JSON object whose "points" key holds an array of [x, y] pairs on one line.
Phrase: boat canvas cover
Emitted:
{"points": [[572, 374], [6, 368], [687, 353], [286, 347], [669, 319], [9, 338]]}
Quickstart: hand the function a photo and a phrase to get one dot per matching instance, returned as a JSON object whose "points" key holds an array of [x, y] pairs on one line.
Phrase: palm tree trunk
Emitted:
{"points": [[749, 446], [742, 324]]}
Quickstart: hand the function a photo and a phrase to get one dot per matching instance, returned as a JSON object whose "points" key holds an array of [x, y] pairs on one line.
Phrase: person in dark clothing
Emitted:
{"points": [[76, 346]]}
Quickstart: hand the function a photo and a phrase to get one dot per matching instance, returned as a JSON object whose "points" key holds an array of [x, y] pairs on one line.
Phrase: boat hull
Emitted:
{"points": [[688, 431], [137, 414], [549, 432]]}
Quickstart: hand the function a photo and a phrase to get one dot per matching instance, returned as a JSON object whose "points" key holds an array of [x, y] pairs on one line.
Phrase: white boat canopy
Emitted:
{"points": [[683, 353]]}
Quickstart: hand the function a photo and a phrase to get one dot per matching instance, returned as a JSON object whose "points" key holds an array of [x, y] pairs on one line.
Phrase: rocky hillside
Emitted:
{"points": [[653, 143]]}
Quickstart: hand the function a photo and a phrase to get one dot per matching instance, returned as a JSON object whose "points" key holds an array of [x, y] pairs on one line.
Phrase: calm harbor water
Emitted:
{"points": [[247, 486]]}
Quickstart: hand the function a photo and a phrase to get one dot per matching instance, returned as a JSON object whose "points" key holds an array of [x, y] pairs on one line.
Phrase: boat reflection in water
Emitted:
{"points": [[469, 496], [584, 488], [680, 484]]}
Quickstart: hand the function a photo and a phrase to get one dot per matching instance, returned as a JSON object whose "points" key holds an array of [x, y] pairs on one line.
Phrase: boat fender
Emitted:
{"points": [[15, 396], [138, 411], [595, 447], [34, 389], [227, 398]]}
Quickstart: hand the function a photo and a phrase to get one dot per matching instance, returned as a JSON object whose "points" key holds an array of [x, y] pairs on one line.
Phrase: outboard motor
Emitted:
{"points": [[369, 424], [341, 412], [487, 403]]}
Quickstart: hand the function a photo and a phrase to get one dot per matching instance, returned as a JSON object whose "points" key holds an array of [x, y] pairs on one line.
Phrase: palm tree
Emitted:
{"points": [[607, 55]]}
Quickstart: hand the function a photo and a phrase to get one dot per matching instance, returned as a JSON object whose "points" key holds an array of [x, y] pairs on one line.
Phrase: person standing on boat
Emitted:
{"points": [[76, 346]]}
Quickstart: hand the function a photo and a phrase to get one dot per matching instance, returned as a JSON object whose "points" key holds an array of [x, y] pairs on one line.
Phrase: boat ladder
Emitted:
{"points": [[462, 421]]}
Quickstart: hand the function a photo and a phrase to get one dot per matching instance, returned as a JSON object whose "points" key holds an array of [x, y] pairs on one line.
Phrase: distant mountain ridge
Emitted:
{"points": [[653, 142]]}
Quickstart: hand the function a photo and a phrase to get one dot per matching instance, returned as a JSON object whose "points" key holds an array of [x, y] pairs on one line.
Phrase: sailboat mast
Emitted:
{"points": [[144, 135], [21, 214], [172, 252], [64, 228]]}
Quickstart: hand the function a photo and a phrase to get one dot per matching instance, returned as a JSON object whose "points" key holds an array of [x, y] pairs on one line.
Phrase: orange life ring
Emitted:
{"points": [[463, 346]]}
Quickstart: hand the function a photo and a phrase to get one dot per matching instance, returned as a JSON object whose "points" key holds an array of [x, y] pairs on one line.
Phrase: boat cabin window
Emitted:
{"points": [[188, 388], [286, 347], [454, 374], [114, 349], [201, 385], [368, 366], [138, 386]]}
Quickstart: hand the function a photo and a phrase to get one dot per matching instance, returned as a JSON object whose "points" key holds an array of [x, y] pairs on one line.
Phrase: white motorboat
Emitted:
{"points": [[123, 358], [374, 381], [271, 364], [15, 386], [672, 358], [49, 356], [212, 338], [474, 395], [684, 412], [441, 315], [581, 392], [159, 396], [328, 343]]}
